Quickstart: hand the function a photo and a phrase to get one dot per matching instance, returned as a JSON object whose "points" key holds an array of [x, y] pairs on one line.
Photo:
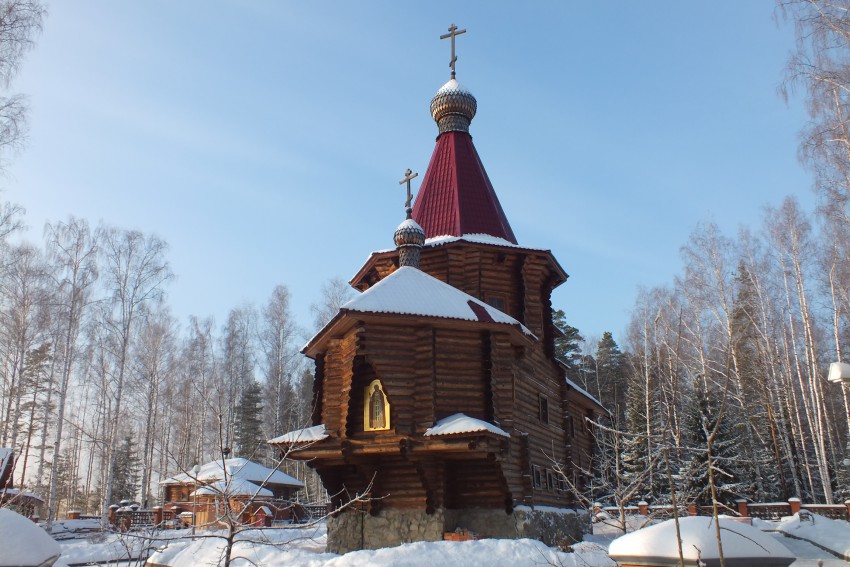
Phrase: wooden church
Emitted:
{"points": [[436, 390]]}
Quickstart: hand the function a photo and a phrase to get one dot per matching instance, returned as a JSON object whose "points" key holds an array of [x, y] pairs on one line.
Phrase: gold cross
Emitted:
{"points": [[408, 177], [453, 31]]}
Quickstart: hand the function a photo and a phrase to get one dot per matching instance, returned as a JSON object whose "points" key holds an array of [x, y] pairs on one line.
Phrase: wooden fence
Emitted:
{"points": [[744, 509], [158, 517], [154, 518]]}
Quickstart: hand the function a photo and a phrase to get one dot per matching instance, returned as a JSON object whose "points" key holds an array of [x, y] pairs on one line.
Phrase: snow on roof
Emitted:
{"points": [[24, 543], [308, 435], [460, 423], [409, 223], [832, 535], [479, 238], [409, 291], [584, 393], [10, 493], [742, 544], [241, 469], [236, 487], [452, 85]]}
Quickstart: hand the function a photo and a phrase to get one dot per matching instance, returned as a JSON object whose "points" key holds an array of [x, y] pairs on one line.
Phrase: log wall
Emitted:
{"points": [[430, 371], [522, 279]]}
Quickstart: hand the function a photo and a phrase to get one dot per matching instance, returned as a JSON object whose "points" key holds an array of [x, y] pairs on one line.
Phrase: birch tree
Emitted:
{"points": [[20, 22], [72, 248], [23, 325], [279, 361], [136, 272]]}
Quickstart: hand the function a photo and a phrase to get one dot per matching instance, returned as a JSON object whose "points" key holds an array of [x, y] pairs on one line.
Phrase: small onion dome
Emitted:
{"points": [[453, 107], [409, 238], [409, 233]]}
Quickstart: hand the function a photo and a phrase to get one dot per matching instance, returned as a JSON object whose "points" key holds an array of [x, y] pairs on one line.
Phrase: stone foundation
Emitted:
{"points": [[353, 530], [556, 527]]}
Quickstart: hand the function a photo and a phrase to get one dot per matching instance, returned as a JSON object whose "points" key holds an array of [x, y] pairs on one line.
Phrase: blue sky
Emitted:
{"points": [[265, 140]]}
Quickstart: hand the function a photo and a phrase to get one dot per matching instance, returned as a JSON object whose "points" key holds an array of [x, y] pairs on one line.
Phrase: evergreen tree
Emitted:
{"points": [[610, 376], [127, 464], [635, 458], [567, 340], [701, 419], [35, 388], [249, 421], [764, 477], [67, 485]]}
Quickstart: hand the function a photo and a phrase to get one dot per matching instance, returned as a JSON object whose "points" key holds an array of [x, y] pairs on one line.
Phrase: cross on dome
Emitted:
{"points": [[453, 32], [408, 177]]}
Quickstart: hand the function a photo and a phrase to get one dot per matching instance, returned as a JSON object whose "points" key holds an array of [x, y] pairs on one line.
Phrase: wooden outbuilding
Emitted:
{"points": [[437, 388], [256, 494]]}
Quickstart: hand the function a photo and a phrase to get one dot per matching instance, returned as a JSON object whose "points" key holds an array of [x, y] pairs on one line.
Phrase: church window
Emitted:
{"points": [[550, 480], [538, 478], [376, 408], [543, 408], [497, 301]]}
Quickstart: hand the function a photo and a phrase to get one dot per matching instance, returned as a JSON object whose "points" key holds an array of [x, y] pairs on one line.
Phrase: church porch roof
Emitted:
{"points": [[459, 424], [411, 292], [306, 435]]}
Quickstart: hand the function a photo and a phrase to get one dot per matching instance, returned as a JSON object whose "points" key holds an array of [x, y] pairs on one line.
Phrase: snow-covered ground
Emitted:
{"points": [[306, 547]]}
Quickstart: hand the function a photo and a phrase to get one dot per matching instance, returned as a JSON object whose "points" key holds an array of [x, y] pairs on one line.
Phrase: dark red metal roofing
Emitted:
{"points": [[456, 196]]}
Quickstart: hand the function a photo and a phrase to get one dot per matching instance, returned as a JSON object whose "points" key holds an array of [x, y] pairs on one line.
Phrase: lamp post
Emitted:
{"points": [[195, 471], [840, 372]]}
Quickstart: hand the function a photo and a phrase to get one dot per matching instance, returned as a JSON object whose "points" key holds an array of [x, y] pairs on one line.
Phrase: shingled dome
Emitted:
{"points": [[409, 233], [453, 107]]}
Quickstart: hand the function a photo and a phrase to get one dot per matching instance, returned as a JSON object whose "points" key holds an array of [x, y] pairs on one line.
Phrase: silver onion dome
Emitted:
{"points": [[409, 238], [453, 107], [409, 233]]}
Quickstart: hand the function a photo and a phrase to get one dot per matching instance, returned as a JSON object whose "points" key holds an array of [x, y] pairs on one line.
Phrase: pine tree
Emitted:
{"points": [[67, 484], [636, 458], [35, 386], [127, 464], [702, 417], [764, 474], [610, 373], [568, 340], [249, 422]]}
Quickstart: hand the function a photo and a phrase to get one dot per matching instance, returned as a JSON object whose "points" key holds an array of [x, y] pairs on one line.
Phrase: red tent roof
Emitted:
{"points": [[456, 196]]}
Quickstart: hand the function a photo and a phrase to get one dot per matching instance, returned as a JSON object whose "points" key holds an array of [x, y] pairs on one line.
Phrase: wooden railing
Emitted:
{"points": [[744, 509], [125, 519], [316, 510], [283, 511], [769, 510]]}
